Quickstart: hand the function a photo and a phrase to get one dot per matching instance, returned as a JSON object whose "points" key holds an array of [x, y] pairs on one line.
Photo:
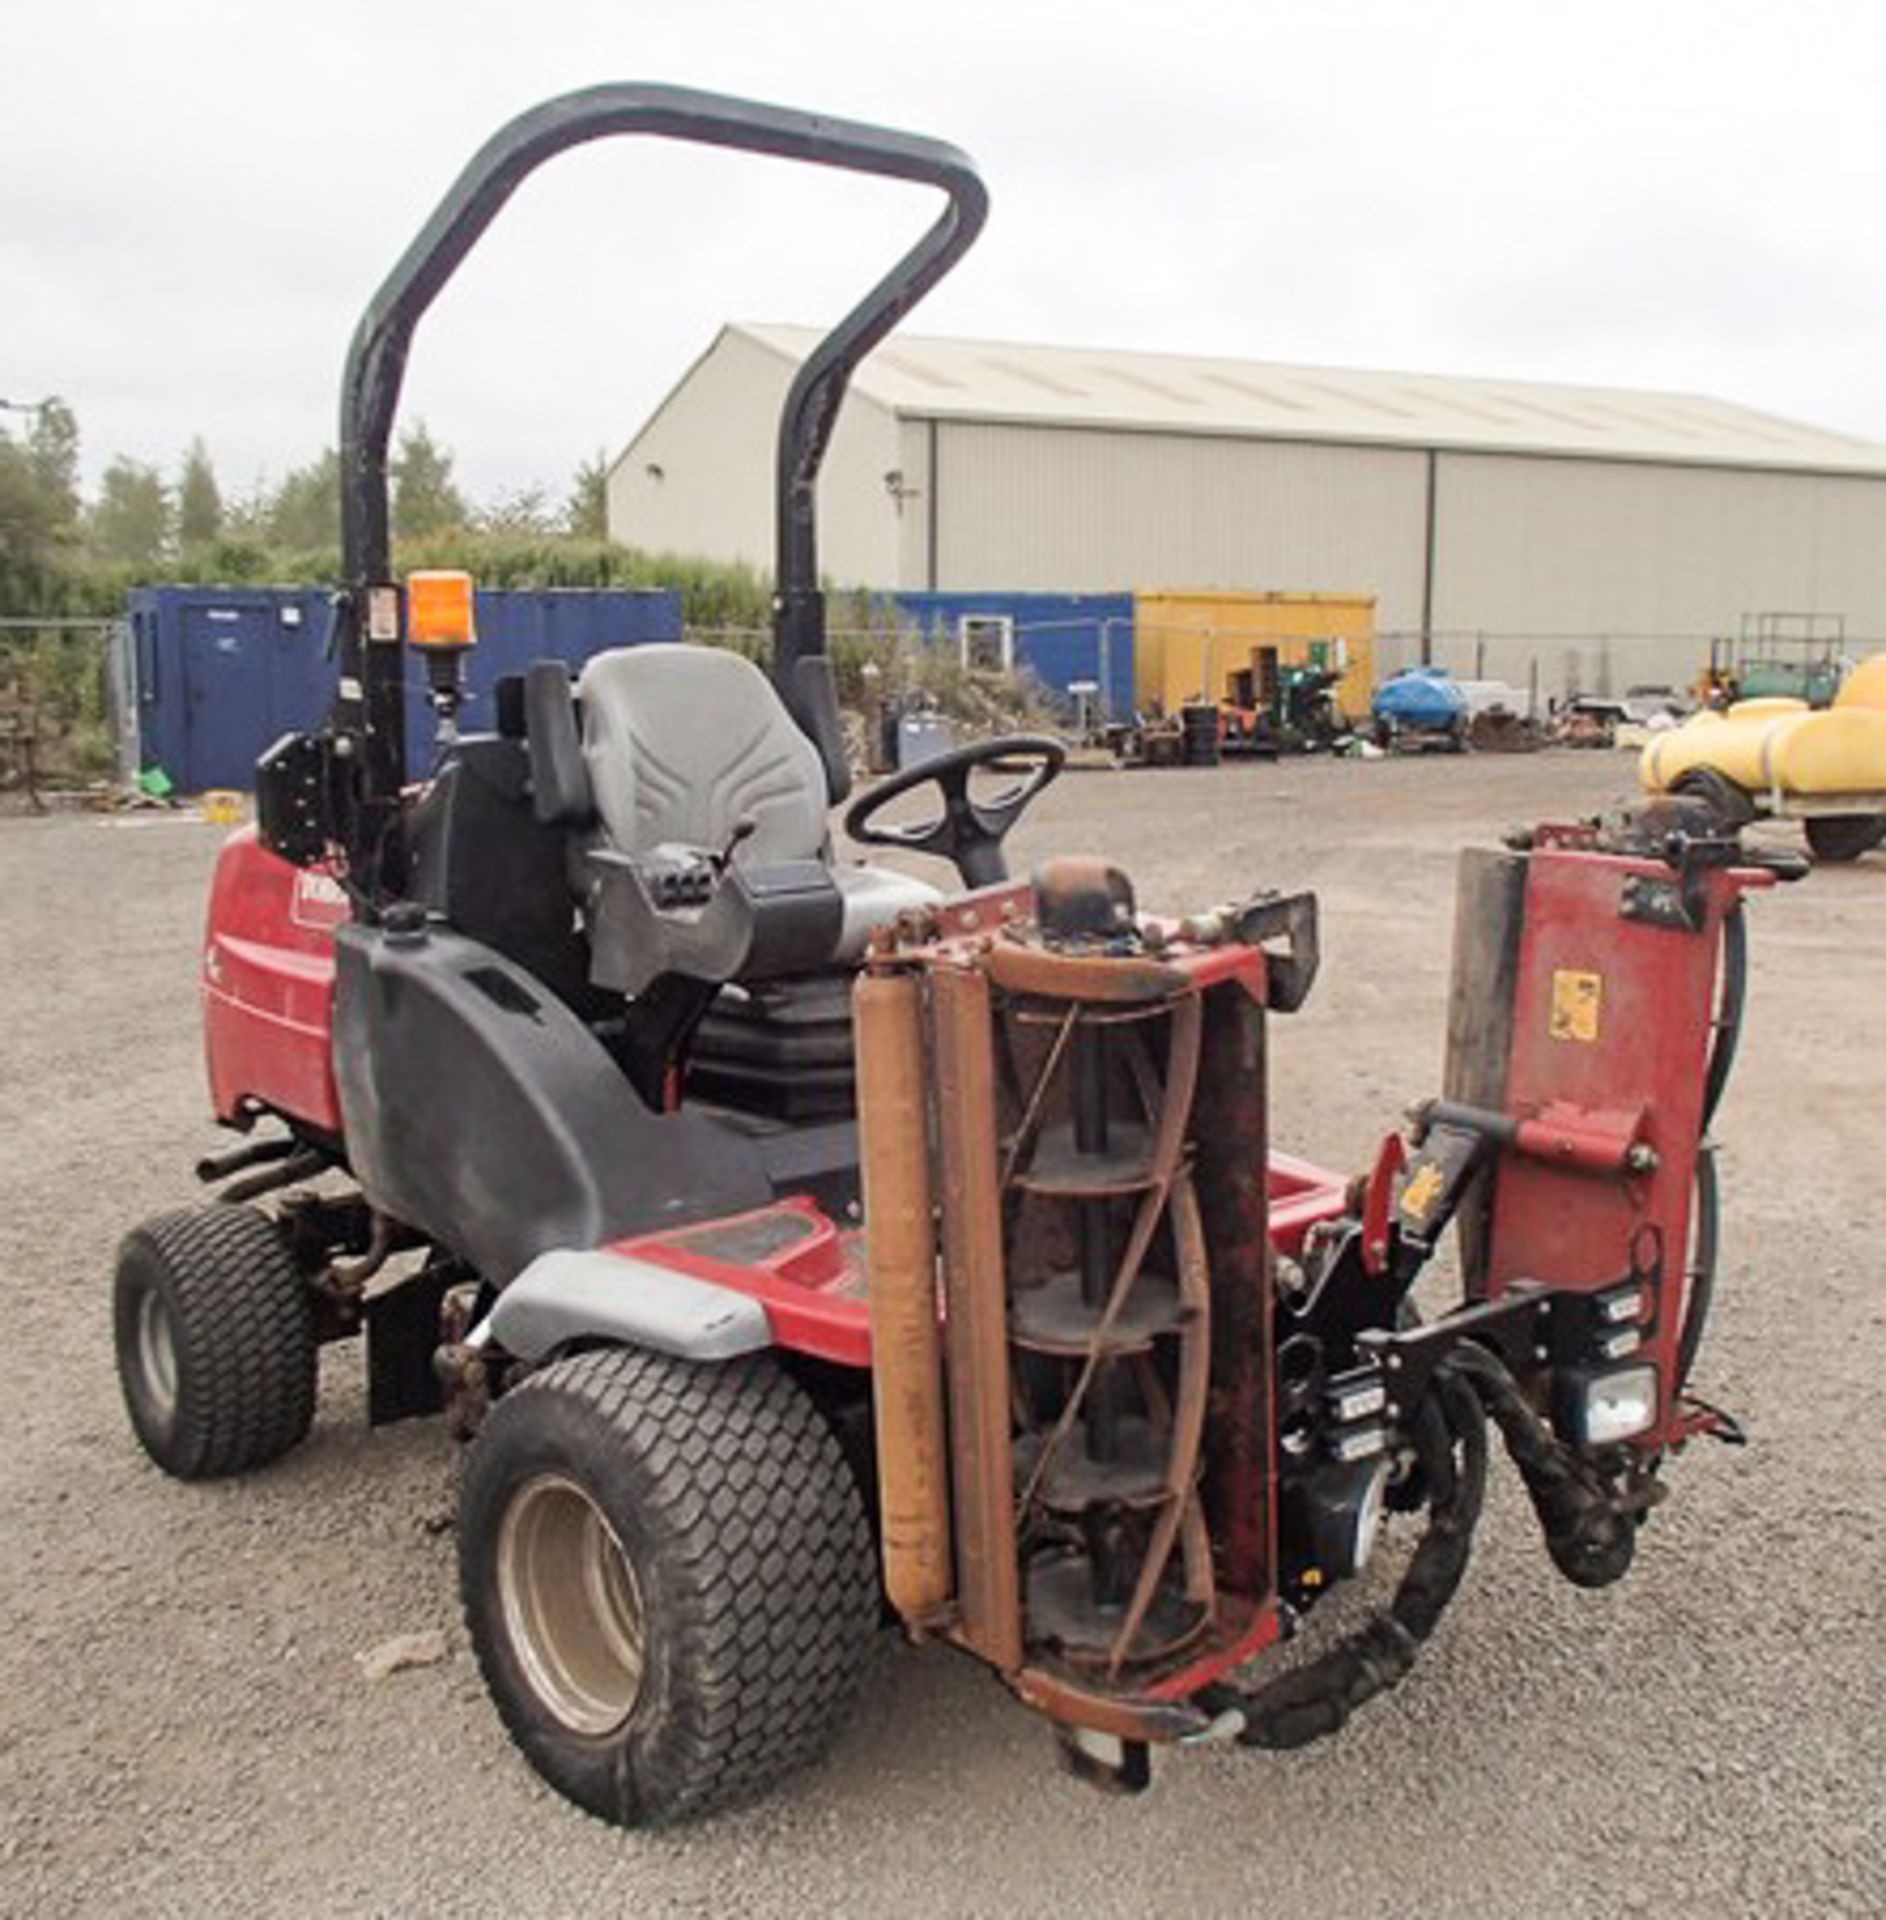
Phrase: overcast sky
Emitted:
{"points": [[196, 200]]}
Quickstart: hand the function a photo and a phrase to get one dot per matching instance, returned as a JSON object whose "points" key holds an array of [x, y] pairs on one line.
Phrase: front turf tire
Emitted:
{"points": [[668, 1578], [214, 1331]]}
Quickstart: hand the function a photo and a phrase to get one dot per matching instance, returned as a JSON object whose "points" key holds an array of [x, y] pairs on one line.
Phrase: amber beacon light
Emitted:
{"points": [[439, 609]]}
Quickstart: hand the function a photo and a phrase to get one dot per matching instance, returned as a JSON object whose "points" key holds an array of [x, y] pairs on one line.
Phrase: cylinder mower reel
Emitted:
{"points": [[795, 1240]]}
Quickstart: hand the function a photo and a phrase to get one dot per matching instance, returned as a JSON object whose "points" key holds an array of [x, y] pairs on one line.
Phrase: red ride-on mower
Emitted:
{"points": [[794, 1238]]}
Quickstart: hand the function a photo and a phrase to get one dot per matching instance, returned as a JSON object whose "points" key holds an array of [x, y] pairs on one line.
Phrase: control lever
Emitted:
{"points": [[743, 829]]}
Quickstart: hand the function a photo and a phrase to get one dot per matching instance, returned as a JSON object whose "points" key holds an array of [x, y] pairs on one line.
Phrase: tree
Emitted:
{"points": [[29, 531], [54, 451], [246, 514], [306, 510], [130, 523], [425, 500], [522, 512], [586, 511], [199, 501]]}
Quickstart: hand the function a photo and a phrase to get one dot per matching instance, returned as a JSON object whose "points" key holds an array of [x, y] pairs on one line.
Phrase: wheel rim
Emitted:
{"points": [[157, 1353], [572, 1605]]}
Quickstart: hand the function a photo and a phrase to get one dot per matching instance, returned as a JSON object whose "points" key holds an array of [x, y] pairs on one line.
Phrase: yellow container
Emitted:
{"points": [[221, 807], [1191, 644]]}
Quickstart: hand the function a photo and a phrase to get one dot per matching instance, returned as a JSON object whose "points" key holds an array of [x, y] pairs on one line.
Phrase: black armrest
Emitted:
{"points": [[679, 912]]}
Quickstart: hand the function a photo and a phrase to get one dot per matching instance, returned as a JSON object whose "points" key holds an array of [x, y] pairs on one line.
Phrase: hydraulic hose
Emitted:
{"points": [[1591, 1540], [1316, 1700], [1702, 1266], [1729, 1013]]}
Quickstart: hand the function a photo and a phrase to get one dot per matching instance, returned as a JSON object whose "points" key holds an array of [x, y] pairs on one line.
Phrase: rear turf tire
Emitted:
{"points": [[668, 1579], [214, 1331], [1844, 836]]}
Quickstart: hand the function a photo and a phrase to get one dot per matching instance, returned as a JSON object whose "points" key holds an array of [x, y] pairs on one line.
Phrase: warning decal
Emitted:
{"points": [[1419, 1195], [1575, 1002]]}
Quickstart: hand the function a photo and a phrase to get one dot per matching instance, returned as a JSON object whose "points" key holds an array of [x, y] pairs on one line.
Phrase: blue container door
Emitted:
{"points": [[160, 711], [249, 666], [227, 661]]}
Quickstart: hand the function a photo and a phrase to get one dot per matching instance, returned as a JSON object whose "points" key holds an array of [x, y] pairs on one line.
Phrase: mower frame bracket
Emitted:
{"points": [[1514, 1326], [1291, 918]]}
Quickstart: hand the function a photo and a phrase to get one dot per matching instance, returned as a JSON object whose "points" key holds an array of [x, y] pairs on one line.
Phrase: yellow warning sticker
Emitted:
{"points": [[1575, 1002], [1419, 1195]]}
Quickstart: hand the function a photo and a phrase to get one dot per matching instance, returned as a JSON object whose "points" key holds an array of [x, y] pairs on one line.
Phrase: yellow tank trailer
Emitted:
{"points": [[1779, 757]]}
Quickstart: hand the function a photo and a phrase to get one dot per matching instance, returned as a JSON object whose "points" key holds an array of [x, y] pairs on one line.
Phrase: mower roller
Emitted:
{"points": [[798, 1243]]}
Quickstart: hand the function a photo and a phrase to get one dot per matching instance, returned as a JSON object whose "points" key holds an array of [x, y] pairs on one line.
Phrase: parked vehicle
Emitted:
{"points": [[795, 1238], [1781, 759]]}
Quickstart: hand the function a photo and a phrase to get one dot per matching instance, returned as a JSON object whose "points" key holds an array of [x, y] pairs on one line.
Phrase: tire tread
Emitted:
{"points": [[774, 1582], [249, 1354]]}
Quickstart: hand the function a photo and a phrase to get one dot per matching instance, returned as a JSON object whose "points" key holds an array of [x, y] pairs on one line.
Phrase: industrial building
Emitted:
{"points": [[1596, 538]]}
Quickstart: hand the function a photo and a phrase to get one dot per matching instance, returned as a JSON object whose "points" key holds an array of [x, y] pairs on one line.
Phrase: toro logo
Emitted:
{"points": [[320, 900]]}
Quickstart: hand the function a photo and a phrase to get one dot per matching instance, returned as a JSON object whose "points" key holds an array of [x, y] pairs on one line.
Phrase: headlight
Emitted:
{"points": [[1617, 1405], [1355, 1395], [1358, 1443]]}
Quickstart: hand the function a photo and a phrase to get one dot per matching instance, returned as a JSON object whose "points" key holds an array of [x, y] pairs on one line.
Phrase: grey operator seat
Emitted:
{"points": [[684, 743]]}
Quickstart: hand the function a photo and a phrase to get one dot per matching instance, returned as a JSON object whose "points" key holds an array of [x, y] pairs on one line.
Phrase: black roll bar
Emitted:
{"points": [[369, 706]]}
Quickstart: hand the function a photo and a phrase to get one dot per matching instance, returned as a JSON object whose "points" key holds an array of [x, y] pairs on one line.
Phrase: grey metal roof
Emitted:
{"points": [[923, 377]]}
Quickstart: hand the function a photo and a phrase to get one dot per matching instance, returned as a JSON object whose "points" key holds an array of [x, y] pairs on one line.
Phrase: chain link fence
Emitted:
{"points": [[1554, 668], [68, 714]]}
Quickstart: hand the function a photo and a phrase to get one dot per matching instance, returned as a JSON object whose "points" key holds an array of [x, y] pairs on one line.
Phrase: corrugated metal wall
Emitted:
{"points": [[1076, 511], [1621, 573], [699, 478], [1596, 575]]}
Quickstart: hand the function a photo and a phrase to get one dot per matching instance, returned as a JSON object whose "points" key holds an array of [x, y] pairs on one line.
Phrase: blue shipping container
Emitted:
{"points": [[1057, 638], [224, 672]]}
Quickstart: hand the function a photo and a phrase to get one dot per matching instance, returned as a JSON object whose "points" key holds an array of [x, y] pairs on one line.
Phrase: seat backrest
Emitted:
{"points": [[683, 743]]}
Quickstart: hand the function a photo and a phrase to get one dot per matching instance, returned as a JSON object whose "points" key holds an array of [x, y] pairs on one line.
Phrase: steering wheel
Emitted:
{"points": [[969, 832]]}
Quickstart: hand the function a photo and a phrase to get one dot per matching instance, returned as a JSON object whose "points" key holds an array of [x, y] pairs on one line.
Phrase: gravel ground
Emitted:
{"points": [[184, 1727]]}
